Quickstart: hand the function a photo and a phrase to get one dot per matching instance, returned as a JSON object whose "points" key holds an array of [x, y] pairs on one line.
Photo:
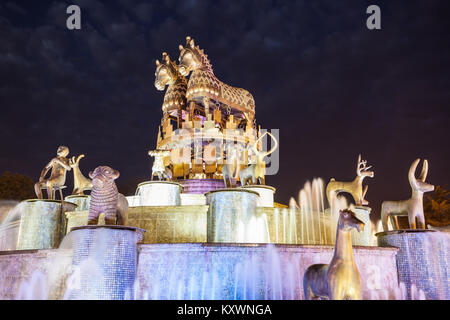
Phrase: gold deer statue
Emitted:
{"points": [[256, 172], [339, 280], [413, 207], [80, 182], [353, 187]]}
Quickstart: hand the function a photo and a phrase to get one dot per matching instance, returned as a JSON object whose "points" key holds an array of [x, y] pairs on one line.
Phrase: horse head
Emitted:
{"points": [[348, 221], [166, 72], [191, 57]]}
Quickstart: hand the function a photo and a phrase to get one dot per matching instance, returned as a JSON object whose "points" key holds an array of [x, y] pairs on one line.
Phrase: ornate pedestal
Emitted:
{"points": [[232, 217], [42, 225], [422, 260], [266, 194], [201, 186], [159, 193], [82, 202], [362, 238], [104, 262]]}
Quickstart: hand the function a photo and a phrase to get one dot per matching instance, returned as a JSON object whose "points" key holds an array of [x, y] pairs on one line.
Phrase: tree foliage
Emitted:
{"points": [[437, 207], [14, 186]]}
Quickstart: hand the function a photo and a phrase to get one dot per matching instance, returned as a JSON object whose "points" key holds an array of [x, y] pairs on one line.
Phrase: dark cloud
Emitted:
{"points": [[334, 88]]}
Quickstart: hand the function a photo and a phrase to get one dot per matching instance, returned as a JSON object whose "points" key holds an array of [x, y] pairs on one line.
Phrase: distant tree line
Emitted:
{"points": [[436, 207], [14, 186]]}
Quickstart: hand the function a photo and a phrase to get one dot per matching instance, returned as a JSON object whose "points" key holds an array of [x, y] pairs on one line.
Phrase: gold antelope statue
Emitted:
{"points": [[59, 167], [167, 74], [339, 280], [256, 172], [413, 207], [353, 187], [80, 182], [203, 83]]}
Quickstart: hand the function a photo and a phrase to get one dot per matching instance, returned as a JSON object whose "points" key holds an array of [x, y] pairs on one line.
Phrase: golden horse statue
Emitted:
{"points": [[413, 207], [203, 83], [353, 187], [167, 74], [339, 280]]}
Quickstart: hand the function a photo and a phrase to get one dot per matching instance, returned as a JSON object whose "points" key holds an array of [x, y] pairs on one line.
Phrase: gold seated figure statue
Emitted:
{"points": [[59, 167]]}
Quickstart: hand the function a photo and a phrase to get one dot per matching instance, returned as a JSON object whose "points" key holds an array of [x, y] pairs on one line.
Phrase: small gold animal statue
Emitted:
{"points": [[256, 172], [80, 182], [339, 280], [353, 187], [158, 168], [106, 199], [203, 83], [232, 166], [59, 166], [167, 74], [413, 207]]}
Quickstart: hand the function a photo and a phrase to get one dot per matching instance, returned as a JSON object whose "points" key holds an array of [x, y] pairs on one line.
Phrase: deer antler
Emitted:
{"points": [[362, 165]]}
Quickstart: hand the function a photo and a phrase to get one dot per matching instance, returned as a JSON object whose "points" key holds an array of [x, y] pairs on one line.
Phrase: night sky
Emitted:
{"points": [[332, 87]]}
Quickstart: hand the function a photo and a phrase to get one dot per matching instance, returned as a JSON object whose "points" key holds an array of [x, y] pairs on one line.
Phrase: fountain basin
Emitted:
{"points": [[82, 201], [159, 193], [104, 262], [232, 217], [422, 260], [9, 233], [204, 271], [266, 194], [42, 223]]}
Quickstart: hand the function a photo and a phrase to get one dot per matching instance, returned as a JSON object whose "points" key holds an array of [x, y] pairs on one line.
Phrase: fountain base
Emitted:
{"points": [[42, 224], [232, 216], [159, 193], [104, 262], [422, 260]]}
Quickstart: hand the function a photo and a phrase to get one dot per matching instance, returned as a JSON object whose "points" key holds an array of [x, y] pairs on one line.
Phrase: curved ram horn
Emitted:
{"points": [[423, 174], [411, 173]]}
